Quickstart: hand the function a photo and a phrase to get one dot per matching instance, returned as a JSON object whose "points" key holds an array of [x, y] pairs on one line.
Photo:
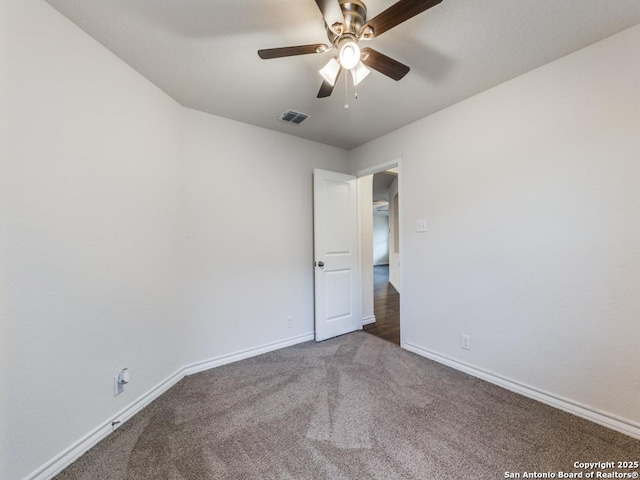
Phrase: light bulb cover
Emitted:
{"points": [[330, 71], [359, 73], [349, 54]]}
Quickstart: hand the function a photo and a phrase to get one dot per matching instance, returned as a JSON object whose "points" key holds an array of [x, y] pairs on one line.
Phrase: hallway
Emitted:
{"points": [[386, 307]]}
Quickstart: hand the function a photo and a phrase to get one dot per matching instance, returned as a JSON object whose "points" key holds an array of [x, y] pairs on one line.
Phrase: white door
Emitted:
{"points": [[336, 254]]}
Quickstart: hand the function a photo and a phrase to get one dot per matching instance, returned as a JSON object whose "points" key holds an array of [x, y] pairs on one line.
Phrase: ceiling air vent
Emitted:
{"points": [[293, 117]]}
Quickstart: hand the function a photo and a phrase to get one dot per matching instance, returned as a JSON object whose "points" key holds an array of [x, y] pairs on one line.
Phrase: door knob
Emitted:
{"points": [[321, 264]]}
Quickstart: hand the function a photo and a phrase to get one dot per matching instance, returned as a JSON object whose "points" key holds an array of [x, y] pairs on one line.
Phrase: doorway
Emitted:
{"points": [[380, 260], [386, 307]]}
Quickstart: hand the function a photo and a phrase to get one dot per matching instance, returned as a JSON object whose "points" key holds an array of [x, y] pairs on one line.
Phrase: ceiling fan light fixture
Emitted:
{"points": [[359, 73], [349, 54], [344, 37], [330, 71]]}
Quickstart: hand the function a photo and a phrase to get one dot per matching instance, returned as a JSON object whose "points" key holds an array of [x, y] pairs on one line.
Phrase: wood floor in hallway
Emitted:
{"points": [[386, 307]]}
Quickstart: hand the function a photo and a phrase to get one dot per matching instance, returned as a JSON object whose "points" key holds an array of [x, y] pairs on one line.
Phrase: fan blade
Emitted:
{"points": [[269, 53], [398, 13], [385, 65], [331, 11], [326, 89]]}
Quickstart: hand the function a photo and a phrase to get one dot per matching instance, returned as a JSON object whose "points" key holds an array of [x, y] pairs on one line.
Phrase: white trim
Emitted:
{"points": [[359, 269], [401, 250], [369, 320], [359, 303], [605, 419], [71, 454], [381, 167], [249, 352]]}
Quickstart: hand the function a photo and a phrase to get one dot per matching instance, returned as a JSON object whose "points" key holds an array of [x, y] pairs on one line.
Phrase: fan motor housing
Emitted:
{"points": [[355, 16]]}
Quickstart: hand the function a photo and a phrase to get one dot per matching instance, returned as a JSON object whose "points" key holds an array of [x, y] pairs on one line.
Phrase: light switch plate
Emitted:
{"points": [[421, 225]]}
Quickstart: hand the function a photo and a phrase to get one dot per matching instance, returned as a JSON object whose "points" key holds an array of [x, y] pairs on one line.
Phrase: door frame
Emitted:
{"points": [[396, 162]]}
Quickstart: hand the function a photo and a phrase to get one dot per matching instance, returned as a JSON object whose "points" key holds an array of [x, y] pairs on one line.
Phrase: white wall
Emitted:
{"points": [[91, 226], [531, 194], [135, 233], [380, 239], [365, 223], [4, 152], [132, 232], [394, 246], [250, 233]]}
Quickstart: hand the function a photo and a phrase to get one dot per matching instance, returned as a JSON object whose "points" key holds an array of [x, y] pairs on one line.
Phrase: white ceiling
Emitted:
{"points": [[381, 183], [203, 54]]}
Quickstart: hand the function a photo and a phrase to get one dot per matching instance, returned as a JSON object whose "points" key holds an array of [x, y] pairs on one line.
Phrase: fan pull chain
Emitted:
{"points": [[355, 83], [346, 92]]}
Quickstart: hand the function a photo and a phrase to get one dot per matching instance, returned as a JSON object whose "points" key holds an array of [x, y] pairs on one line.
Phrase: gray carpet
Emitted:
{"points": [[354, 407]]}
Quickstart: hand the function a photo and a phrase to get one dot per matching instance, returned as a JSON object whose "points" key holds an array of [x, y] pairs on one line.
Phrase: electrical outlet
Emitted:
{"points": [[421, 225], [465, 341], [119, 381], [289, 321], [117, 386]]}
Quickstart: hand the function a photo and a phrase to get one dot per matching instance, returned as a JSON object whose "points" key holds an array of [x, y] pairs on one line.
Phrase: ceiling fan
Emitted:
{"points": [[347, 25]]}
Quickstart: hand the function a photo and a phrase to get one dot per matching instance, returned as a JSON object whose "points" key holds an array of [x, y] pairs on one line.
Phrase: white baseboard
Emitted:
{"points": [[369, 320], [71, 454], [605, 419], [249, 352]]}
